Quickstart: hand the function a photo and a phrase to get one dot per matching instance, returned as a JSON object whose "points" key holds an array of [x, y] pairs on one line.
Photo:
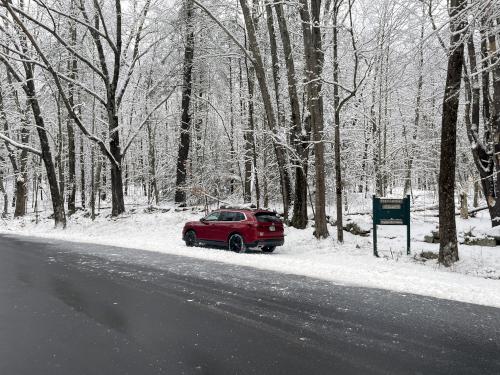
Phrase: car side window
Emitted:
{"points": [[232, 216], [227, 216], [214, 216]]}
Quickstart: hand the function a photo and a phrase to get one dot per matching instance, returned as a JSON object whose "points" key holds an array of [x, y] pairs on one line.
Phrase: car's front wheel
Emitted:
{"points": [[190, 238], [268, 249], [237, 244]]}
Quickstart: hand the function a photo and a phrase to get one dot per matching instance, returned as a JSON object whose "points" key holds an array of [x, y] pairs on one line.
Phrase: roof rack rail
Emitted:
{"points": [[239, 207]]}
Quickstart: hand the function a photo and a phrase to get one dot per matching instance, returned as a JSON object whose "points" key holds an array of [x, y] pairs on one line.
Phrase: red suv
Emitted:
{"points": [[239, 229]]}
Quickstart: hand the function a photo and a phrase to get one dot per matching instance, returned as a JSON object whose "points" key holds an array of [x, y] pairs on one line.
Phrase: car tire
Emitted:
{"points": [[190, 238], [268, 249], [236, 243]]}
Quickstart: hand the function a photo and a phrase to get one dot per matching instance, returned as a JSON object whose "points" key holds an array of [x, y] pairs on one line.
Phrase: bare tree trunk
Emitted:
{"points": [[300, 140], [232, 153], [93, 175], [281, 116], [464, 209], [19, 167], [82, 174], [336, 104], [57, 200], [183, 153], [5, 209], [28, 85], [72, 68], [485, 160], [266, 97], [248, 138], [59, 159], [495, 114], [118, 203], [314, 62], [448, 249], [375, 130], [153, 184], [420, 84], [475, 204], [93, 188]]}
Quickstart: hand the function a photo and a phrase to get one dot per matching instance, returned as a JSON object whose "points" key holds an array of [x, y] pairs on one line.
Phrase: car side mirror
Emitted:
{"points": [[203, 220]]}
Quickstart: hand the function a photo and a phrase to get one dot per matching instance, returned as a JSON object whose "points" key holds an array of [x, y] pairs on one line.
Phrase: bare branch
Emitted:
{"points": [[225, 29], [144, 122], [20, 146]]}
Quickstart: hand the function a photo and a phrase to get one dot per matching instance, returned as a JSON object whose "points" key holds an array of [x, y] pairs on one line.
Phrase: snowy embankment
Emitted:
{"points": [[475, 279]]}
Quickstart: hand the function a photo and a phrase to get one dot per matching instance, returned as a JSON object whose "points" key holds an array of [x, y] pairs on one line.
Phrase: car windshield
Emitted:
{"points": [[214, 216], [267, 217]]}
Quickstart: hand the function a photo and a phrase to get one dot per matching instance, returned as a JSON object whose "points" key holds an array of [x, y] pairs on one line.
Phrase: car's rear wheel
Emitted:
{"points": [[190, 238], [268, 249], [237, 244]]}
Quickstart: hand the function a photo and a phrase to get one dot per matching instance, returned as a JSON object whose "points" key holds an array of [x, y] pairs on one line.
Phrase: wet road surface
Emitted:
{"points": [[68, 308]]}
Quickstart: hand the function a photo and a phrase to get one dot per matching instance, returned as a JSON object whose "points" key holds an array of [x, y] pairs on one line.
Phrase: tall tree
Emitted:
{"points": [[314, 58], [28, 84], [448, 248], [5, 205], [300, 136], [272, 123], [339, 101], [72, 69], [279, 105], [187, 87], [418, 109], [19, 161]]}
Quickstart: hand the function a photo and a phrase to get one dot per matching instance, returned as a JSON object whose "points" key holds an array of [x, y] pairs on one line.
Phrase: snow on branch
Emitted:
{"points": [[145, 121], [20, 146], [225, 29]]}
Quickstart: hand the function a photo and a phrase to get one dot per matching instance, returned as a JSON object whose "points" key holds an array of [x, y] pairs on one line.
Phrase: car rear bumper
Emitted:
{"points": [[267, 242]]}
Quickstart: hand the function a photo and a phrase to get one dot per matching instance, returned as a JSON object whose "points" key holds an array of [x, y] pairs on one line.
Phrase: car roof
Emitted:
{"points": [[246, 209]]}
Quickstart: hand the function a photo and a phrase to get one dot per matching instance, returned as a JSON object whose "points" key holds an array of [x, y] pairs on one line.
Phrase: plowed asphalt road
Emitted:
{"points": [[69, 308]]}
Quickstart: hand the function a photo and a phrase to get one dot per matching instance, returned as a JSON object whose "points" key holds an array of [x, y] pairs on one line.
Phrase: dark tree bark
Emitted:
{"points": [[300, 140], [266, 97], [153, 184], [448, 249], [72, 68], [287, 199], [59, 159], [19, 165], [5, 209], [185, 128], [485, 152], [118, 203], [336, 103], [420, 84], [28, 85], [82, 175], [314, 57], [57, 199], [247, 136]]}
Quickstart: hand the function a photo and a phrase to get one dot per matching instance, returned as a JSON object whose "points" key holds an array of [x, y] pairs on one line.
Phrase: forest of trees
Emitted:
{"points": [[299, 102]]}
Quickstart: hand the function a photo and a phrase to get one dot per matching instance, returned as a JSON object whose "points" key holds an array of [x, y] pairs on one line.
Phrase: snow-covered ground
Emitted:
{"points": [[475, 278]]}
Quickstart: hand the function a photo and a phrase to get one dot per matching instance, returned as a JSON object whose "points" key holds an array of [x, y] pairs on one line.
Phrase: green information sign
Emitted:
{"points": [[388, 211]]}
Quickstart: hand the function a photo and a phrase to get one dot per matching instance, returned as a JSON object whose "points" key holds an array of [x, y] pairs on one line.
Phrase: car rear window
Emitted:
{"points": [[267, 217]]}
